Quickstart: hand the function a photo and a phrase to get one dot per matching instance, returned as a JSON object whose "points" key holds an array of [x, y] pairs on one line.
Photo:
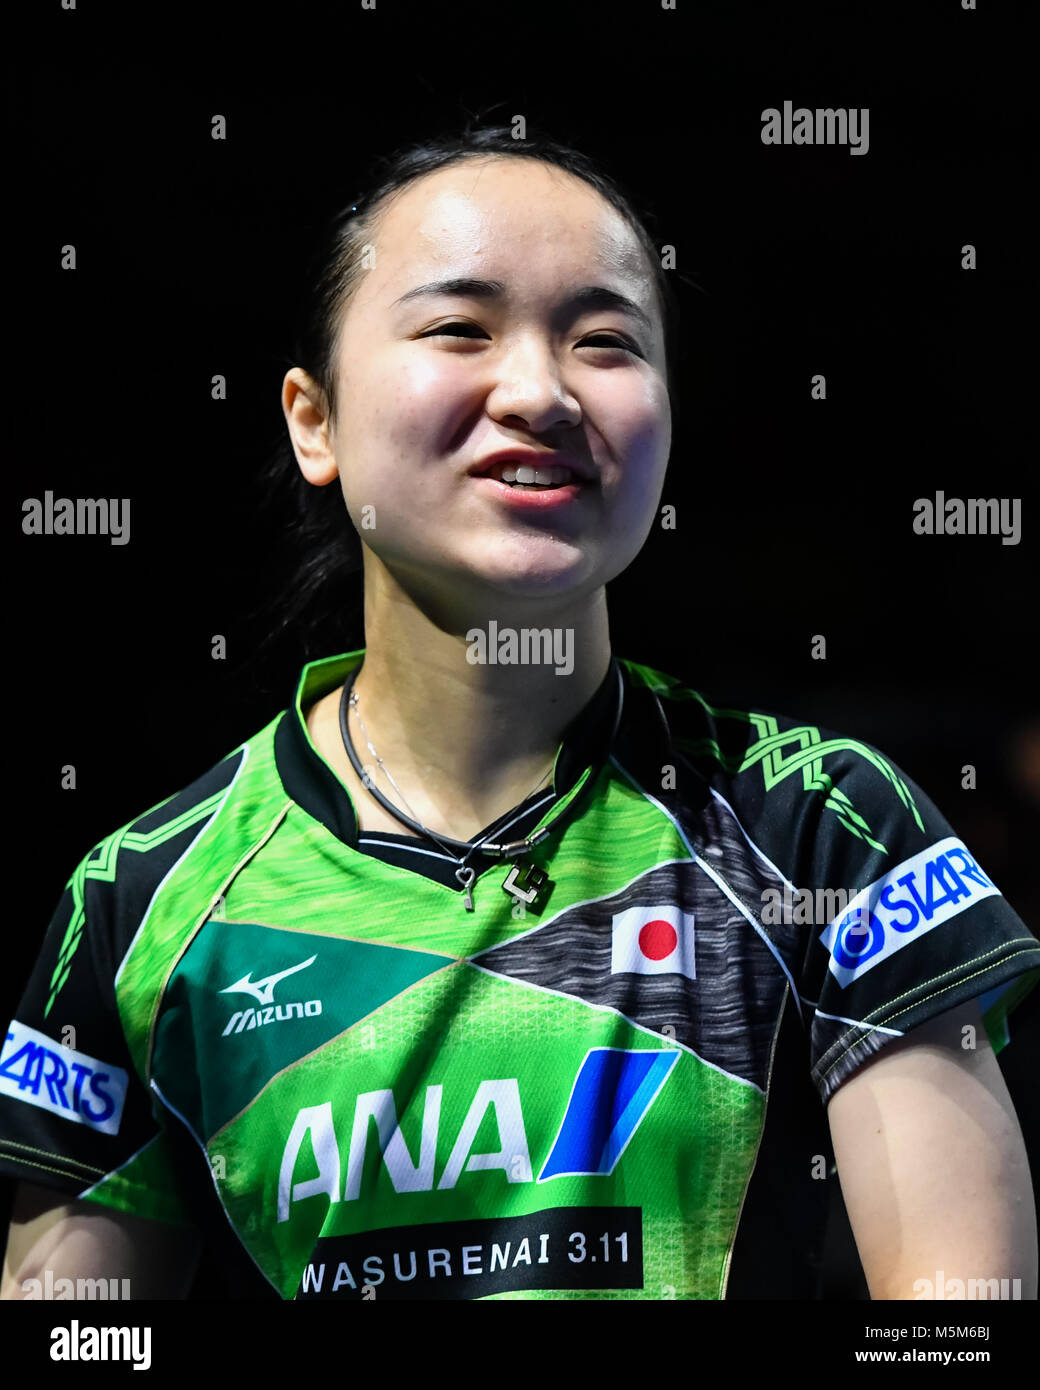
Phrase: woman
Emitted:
{"points": [[470, 975]]}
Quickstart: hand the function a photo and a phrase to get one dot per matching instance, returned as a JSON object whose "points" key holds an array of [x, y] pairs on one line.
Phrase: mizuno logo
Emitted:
{"points": [[263, 990]]}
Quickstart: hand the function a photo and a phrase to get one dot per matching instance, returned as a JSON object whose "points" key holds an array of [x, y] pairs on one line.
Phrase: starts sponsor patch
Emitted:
{"points": [[40, 1071], [916, 896]]}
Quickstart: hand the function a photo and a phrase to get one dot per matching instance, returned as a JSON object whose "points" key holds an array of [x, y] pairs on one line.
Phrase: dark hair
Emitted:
{"points": [[320, 589]]}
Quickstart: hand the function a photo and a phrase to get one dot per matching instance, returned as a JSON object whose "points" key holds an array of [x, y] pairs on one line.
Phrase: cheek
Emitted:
{"points": [[404, 399], [397, 422], [642, 459]]}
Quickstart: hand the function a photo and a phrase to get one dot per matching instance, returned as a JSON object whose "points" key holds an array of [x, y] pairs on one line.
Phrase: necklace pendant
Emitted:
{"points": [[466, 877], [526, 883]]}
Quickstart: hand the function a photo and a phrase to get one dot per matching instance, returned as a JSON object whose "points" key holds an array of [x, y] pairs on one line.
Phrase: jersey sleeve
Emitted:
{"points": [[915, 926], [74, 1113]]}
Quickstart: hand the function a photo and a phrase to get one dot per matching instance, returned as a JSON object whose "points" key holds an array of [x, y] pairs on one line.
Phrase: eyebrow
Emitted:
{"points": [[589, 297]]}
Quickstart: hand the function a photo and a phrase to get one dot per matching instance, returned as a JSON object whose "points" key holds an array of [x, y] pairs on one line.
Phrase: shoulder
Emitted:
{"points": [[113, 885], [145, 847], [789, 779]]}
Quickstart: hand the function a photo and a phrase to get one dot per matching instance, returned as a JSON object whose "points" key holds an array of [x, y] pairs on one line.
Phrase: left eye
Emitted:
{"points": [[605, 340]]}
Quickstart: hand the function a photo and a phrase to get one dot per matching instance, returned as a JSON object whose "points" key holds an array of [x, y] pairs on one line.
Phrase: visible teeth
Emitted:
{"points": [[525, 475]]}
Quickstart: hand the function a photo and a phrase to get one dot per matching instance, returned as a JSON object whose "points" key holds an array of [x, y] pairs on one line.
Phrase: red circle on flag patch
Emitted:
{"points": [[657, 939]]}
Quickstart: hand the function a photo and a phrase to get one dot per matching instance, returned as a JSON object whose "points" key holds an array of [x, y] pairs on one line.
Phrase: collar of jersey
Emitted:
{"points": [[312, 784]]}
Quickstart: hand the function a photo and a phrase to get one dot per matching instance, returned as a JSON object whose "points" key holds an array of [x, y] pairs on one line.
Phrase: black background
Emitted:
{"points": [[794, 516]]}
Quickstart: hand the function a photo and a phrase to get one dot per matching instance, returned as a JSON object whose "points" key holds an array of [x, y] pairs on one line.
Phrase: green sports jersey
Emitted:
{"points": [[384, 1095]]}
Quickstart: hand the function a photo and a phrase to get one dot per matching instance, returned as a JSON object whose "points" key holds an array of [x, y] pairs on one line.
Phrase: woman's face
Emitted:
{"points": [[432, 383]]}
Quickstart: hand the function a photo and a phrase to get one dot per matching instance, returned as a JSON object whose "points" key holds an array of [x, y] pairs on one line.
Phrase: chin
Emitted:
{"points": [[555, 575]]}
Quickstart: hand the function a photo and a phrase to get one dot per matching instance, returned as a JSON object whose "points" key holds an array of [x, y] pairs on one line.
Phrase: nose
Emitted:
{"points": [[529, 389]]}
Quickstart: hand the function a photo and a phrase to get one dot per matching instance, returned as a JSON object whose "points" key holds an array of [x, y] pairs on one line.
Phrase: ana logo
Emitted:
{"points": [[263, 992], [36, 1069], [610, 1097], [913, 898]]}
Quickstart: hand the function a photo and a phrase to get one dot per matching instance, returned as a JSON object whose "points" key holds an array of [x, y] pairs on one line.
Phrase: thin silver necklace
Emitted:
{"points": [[524, 882]]}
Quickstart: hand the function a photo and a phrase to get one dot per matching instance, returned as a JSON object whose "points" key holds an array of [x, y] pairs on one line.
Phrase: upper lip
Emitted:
{"points": [[536, 458]]}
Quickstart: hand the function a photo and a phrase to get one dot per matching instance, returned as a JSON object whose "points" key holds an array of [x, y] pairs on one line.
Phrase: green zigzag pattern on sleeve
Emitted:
{"points": [[104, 869], [768, 750]]}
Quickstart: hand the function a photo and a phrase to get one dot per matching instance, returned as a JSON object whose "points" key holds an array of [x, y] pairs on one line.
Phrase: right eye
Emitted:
{"points": [[443, 328]]}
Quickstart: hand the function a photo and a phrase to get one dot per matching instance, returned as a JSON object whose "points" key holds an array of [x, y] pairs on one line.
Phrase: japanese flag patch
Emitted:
{"points": [[655, 940]]}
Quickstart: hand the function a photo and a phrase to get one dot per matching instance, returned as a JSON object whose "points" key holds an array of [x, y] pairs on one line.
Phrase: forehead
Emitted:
{"points": [[508, 215]]}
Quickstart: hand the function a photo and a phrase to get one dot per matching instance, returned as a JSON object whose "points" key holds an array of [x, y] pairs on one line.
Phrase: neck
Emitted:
{"points": [[467, 738]]}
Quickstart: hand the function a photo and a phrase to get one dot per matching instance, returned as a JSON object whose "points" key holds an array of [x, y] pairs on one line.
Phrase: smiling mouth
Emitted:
{"points": [[525, 478]]}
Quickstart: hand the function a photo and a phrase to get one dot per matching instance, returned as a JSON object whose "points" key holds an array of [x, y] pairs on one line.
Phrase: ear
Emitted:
{"points": [[304, 407]]}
